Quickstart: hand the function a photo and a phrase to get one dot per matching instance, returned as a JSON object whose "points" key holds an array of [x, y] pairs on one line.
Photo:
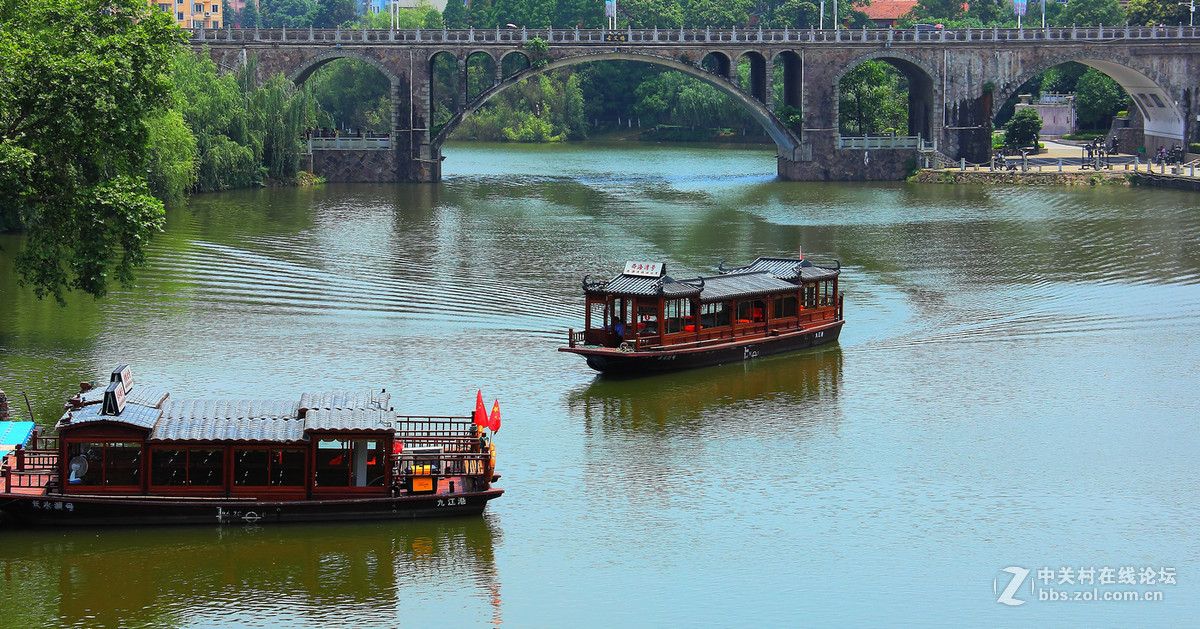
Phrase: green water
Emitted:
{"points": [[1014, 386]]}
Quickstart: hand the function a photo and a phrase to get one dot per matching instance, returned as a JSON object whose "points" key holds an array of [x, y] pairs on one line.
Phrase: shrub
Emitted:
{"points": [[1023, 129]]}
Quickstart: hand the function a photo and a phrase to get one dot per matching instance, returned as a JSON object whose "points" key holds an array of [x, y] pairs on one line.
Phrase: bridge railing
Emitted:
{"points": [[348, 142], [874, 142], [691, 35]]}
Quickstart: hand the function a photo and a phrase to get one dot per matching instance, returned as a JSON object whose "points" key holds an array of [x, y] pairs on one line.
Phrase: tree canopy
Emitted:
{"points": [[80, 81]]}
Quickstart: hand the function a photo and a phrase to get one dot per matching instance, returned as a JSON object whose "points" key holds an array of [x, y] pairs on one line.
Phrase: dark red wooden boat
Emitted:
{"points": [[643, 321], [134, 455]]}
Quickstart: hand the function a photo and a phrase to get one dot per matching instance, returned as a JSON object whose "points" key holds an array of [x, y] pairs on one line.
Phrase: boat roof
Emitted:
{"points": [[791, 269], [145, 396], [229, 429], [740, 285], [761, 277], [225, 420], [13, 434]]}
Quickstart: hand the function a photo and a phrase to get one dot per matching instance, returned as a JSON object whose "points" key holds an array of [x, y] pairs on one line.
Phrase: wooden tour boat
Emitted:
{"points": [[643, 321], [133, 455]]}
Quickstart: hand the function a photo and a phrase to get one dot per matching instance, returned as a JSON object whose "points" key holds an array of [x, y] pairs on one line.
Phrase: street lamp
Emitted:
{"points": [[1191, 5]]}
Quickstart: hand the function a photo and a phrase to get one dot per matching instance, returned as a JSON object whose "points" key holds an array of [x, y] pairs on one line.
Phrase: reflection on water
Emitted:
{"points": [[706, 399], [341, 574]]}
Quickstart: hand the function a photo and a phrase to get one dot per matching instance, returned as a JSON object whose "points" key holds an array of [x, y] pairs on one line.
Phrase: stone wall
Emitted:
{"points": [[355, 166]]}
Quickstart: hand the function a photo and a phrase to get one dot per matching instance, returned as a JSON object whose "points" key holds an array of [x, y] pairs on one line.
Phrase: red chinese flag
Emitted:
{"points": [[481, 417], [494, 422]]}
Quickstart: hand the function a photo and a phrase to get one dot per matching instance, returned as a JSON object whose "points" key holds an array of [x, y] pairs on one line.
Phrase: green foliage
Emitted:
{"points": [[675, 98], [455, 14], [544, 108], [1023, 129], [171, 172], [1097, 99], [1150, 12], [1194, 147], [1092, 13], [244, 133], [78, 82], [717, 13], [530, 13], [938, 10], [581, 13], [791, 117], [794, 14], [248, 17], [481, 14], [651, 13], [287, 13], [421, 16], [1061, 79], [873, 97], [539, 52], [354, 94]]}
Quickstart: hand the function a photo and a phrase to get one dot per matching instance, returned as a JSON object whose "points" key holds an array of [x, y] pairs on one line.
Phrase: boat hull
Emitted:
{"points": [[74, 510], [613, 361]]}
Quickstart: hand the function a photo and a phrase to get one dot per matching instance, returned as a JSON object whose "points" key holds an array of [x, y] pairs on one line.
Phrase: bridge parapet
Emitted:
{"points": [[601, 37]]}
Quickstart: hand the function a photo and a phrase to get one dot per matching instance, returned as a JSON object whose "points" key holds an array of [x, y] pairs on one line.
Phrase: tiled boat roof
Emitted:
{"points": [[228, 429], [224, 420], [349, 420], [647, 286], [739, 285], [144, 396], [791, 269], [133, 415], [345, 399], [764, 275], [189, 410]]}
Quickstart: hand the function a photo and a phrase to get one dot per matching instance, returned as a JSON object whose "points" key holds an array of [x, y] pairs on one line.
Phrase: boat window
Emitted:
{"points": [[187, 467], [249, 468], [596, 315], [275, 467], [350, 463], [714, 315], [751, 311], [107, 463], [168, 467], [647, 321], [677, 313], [785, 306], [810, 295], [333, 463], [206, 467], [123, 463]]}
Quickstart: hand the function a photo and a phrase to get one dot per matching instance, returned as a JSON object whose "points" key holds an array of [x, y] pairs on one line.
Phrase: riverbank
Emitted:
{"points": [[1018, 178]]}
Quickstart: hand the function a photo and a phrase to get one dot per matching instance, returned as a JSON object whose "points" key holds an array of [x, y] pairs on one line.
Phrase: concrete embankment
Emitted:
{"points": [[1017, 178], [1066, 178]]}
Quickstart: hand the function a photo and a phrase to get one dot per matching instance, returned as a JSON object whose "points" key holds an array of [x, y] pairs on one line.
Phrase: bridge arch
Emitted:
{"points": [[1160, 110], [786, 142], [924, 112], [306, 69]]}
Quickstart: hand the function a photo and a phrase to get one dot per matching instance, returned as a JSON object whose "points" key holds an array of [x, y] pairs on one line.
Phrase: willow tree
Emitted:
{"points": [[79, 82]]}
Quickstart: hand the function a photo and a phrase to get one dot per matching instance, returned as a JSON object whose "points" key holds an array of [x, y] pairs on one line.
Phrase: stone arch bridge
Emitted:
{"points": [[957, 82]]}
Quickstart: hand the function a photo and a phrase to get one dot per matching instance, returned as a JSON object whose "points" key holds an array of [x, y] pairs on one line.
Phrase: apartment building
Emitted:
{"points": [[193, 13]]}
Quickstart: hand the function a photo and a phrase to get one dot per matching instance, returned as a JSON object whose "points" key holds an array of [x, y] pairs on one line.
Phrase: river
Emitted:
{"points": [[1014, 388]]}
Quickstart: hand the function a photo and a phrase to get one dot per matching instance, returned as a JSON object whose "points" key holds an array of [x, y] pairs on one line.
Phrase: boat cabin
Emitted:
{"points": [[123, 440], [643, 308]]}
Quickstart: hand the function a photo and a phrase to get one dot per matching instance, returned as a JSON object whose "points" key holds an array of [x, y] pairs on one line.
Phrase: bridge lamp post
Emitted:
{"points": [[1191, 5]]}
